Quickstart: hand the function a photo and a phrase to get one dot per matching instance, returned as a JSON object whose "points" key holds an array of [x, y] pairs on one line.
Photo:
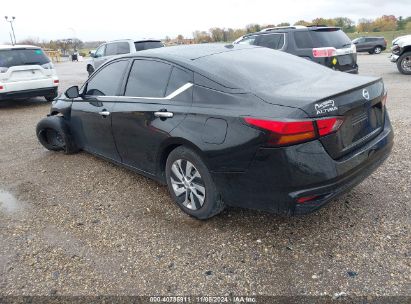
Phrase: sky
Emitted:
{"points": [[107, 20]]}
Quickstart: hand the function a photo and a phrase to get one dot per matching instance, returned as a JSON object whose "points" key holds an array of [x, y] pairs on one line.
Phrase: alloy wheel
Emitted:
{"points": [[187, 184], [377, 50], [406, 63]]}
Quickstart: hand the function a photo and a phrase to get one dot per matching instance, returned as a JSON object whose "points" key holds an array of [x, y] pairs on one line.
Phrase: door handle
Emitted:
{"points": [[163, 114], [104, 113]]}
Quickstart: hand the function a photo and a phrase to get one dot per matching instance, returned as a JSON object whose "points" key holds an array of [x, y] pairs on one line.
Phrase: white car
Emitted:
{"points": [[401, 54], [26, 71], [118, 47]]}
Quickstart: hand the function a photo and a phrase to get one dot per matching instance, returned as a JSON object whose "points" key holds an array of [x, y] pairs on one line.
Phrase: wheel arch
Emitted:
{"points": [[167, 147], [406, 49]]}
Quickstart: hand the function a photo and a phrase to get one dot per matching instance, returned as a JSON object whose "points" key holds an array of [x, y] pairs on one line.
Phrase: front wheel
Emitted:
{"points": [[190, 184], [54, 134], [404, 63]]}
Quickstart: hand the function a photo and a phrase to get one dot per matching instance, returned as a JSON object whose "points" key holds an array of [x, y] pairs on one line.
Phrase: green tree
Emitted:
{"points": [[284, 24], [401, 23], [346, 24], [364, 25], [252, 28], [385, 23], [217, 34], [302, 22], [201, 37]]}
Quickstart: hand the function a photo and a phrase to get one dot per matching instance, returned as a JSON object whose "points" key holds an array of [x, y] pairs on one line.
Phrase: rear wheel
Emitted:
{"points": [[54, 134], [190, 184], [377, 49], [50, 97], [404, 63]]}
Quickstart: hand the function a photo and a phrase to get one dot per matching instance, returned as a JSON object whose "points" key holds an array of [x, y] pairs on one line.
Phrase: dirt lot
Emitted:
{"points": [[78, 225]]}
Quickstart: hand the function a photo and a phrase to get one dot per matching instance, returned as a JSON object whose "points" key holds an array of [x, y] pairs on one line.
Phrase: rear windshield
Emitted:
{"points": [[330, 38], [259, 69], [146, 45], [9, 58]]}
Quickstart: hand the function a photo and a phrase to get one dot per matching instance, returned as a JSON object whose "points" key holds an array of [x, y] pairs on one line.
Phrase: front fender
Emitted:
{"points": [[61, 107]]}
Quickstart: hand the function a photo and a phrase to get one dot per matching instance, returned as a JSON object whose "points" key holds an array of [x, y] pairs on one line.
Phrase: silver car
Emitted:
{"points": [[117, 47]]}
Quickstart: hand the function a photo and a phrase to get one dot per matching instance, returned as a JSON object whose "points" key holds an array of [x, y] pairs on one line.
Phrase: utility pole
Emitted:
{"points": [[12, 28]]}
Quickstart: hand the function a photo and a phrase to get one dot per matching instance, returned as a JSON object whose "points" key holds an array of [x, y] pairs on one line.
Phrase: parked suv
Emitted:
{"points": [[401, 54], [26, 71], [372, 45], [118, 47], [328, 46]]}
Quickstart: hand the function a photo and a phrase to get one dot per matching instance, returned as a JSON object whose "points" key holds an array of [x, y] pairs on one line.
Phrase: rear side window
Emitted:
{"points": [[123, 48], [273, 41], [117, 48], [178, 78], [146, 45], [107, 80], [303, 40], [148, 78], [9, 58], [330, 38]]}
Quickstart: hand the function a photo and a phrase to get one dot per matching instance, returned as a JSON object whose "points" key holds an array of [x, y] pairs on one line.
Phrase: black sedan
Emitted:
{"points": [[228, 125]]}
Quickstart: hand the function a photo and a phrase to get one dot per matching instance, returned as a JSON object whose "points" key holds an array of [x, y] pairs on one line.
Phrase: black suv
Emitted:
{"points": [[328, 46], [372, 45]]}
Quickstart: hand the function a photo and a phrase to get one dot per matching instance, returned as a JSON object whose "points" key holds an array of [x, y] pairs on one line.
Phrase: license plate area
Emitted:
{"points": [[345, 60], [360, 125], [26, 75]]}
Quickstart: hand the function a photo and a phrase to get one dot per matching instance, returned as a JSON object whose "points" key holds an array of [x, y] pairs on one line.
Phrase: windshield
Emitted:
{"points": [[14, 57], [146, 45], [330, 38]]}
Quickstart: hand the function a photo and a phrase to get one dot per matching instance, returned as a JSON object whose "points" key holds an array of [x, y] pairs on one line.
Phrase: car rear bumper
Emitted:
{"points": [[279, 176], [51, 91]]}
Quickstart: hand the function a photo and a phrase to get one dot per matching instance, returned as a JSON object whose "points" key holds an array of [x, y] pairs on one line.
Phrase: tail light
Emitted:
{"points": [[56, 81], [324, 52], [1, 87], [283, 133], [329, 125]]}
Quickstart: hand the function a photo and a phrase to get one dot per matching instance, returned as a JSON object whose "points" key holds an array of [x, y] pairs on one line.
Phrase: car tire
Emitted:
{"points": [[377, 50], [54, 134], [404, 63], [50, 98], [90, 70], [190, 184]]}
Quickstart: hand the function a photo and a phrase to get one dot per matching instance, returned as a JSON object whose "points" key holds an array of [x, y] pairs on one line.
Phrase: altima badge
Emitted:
{"points": [[365, 94], [325, 107]]}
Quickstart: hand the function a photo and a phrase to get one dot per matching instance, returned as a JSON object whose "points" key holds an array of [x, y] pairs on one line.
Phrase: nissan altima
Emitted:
{"points": [[228, 125]]}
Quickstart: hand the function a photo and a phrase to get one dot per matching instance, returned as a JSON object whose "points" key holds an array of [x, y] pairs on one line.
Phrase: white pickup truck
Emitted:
{"points": [[401, 54]]}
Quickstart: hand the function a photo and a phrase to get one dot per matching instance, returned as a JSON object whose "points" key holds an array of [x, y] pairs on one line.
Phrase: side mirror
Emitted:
{"points": [[72, 92]]}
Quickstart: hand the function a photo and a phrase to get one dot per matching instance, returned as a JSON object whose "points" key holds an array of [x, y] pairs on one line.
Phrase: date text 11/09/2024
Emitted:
{"points": [[203, 299]]}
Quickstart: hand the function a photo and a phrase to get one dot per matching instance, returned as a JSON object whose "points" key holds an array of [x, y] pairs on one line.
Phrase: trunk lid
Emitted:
{"points": [[357, 99]]}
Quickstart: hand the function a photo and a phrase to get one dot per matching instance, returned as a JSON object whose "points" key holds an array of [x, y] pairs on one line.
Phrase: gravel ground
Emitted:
{"points": [[78, 225]]}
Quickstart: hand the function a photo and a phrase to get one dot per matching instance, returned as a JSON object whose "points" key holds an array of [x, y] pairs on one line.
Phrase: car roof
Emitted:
{"points": [[133, 40], [187, 53], [18, 46], [296, 28]]}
